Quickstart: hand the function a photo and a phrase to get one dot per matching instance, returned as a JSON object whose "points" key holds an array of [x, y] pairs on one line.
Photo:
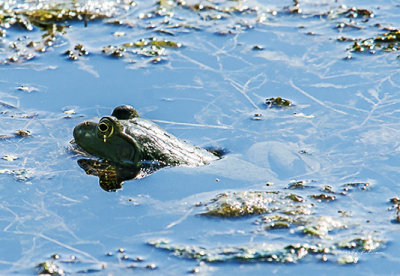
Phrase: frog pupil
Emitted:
{"points": [[103, 127]]}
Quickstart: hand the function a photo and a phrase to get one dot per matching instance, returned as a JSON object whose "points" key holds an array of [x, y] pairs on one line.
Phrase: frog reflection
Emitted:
{"points": [[111, 176]]}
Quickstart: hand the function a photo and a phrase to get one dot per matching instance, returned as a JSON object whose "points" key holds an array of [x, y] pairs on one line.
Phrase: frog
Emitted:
{"points": [[127, 140]]}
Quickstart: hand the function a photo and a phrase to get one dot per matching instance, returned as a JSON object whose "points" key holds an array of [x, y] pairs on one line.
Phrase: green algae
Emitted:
{"points": [[78, 51], [148, 48], [266, 252], [53, 19], [395, 201], [323, 197], [363, 186], [249, 203], [238, 204], [297, 185], [277, 102], [256, 252], [321, 226], [20, 133], [284, 211], [274, 218], [385, 42], [19, 174], [347, 259], [355, 12], [362, 244], [295, 197], [61, 14], [153, 42], [49, 268], [279, 225], [281, 211], [58, 264]]}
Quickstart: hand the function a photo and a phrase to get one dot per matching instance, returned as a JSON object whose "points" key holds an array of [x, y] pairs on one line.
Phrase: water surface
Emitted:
{"points": [[342, 128]]}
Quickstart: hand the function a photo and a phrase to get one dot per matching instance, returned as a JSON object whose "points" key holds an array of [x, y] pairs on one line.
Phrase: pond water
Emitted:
{"points": [[207, 85]]}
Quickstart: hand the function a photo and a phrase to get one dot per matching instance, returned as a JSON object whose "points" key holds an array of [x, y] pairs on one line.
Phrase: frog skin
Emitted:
{"points": [[128, 140]]}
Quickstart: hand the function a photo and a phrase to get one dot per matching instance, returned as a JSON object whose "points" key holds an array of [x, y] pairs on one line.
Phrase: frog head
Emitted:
{"points": [[107, 139]]}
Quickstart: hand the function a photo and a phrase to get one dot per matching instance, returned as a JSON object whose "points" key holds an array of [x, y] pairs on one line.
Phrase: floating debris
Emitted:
{"points": [[78, 51], [303, 115], [256, 252], [27, 89], [386, 42], [257, 117], [297, 185], [267, 219], [19, 174], [295, 197], [323, 197], [357, 185], [120, 22], [267, 252], [257, 48], [236, 204], [69, 111], [9, 158], [155, 42], [49, 268], [354, 12], [277, 102], [114, 51], [347, 259], [278, 225], [18, 133], [328, 189], [281, 211], [55, 256], [322, 226], [119, 34], [367, 244], [396, 206]]}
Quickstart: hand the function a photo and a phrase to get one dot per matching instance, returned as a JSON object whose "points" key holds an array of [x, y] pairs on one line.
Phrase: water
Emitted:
{"points": [[206, 92]]}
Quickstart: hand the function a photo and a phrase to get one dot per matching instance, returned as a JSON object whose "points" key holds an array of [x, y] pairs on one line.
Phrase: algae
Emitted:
{"points": [[244, 203], [323, 197], [297, 185], [256, 252], [362, 244], [277, 102], [321, 226], [267, 252], [49, 268], [396, 206], [385, 42], [165, 18], [293, 213]]}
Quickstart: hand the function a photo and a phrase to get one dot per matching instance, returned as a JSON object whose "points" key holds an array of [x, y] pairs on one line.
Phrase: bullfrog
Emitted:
{"points": [[127, 140]]}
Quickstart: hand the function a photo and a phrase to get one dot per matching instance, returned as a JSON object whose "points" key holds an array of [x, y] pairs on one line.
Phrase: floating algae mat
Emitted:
{"points": [[47, 24], [281, 211]]}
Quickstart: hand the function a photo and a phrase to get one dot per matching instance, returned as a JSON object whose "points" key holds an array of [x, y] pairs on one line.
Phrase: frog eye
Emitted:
{"points": [[105, 129]]}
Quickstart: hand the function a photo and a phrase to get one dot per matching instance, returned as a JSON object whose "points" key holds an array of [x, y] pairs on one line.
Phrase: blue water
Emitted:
{"points": [[206, 92]]}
